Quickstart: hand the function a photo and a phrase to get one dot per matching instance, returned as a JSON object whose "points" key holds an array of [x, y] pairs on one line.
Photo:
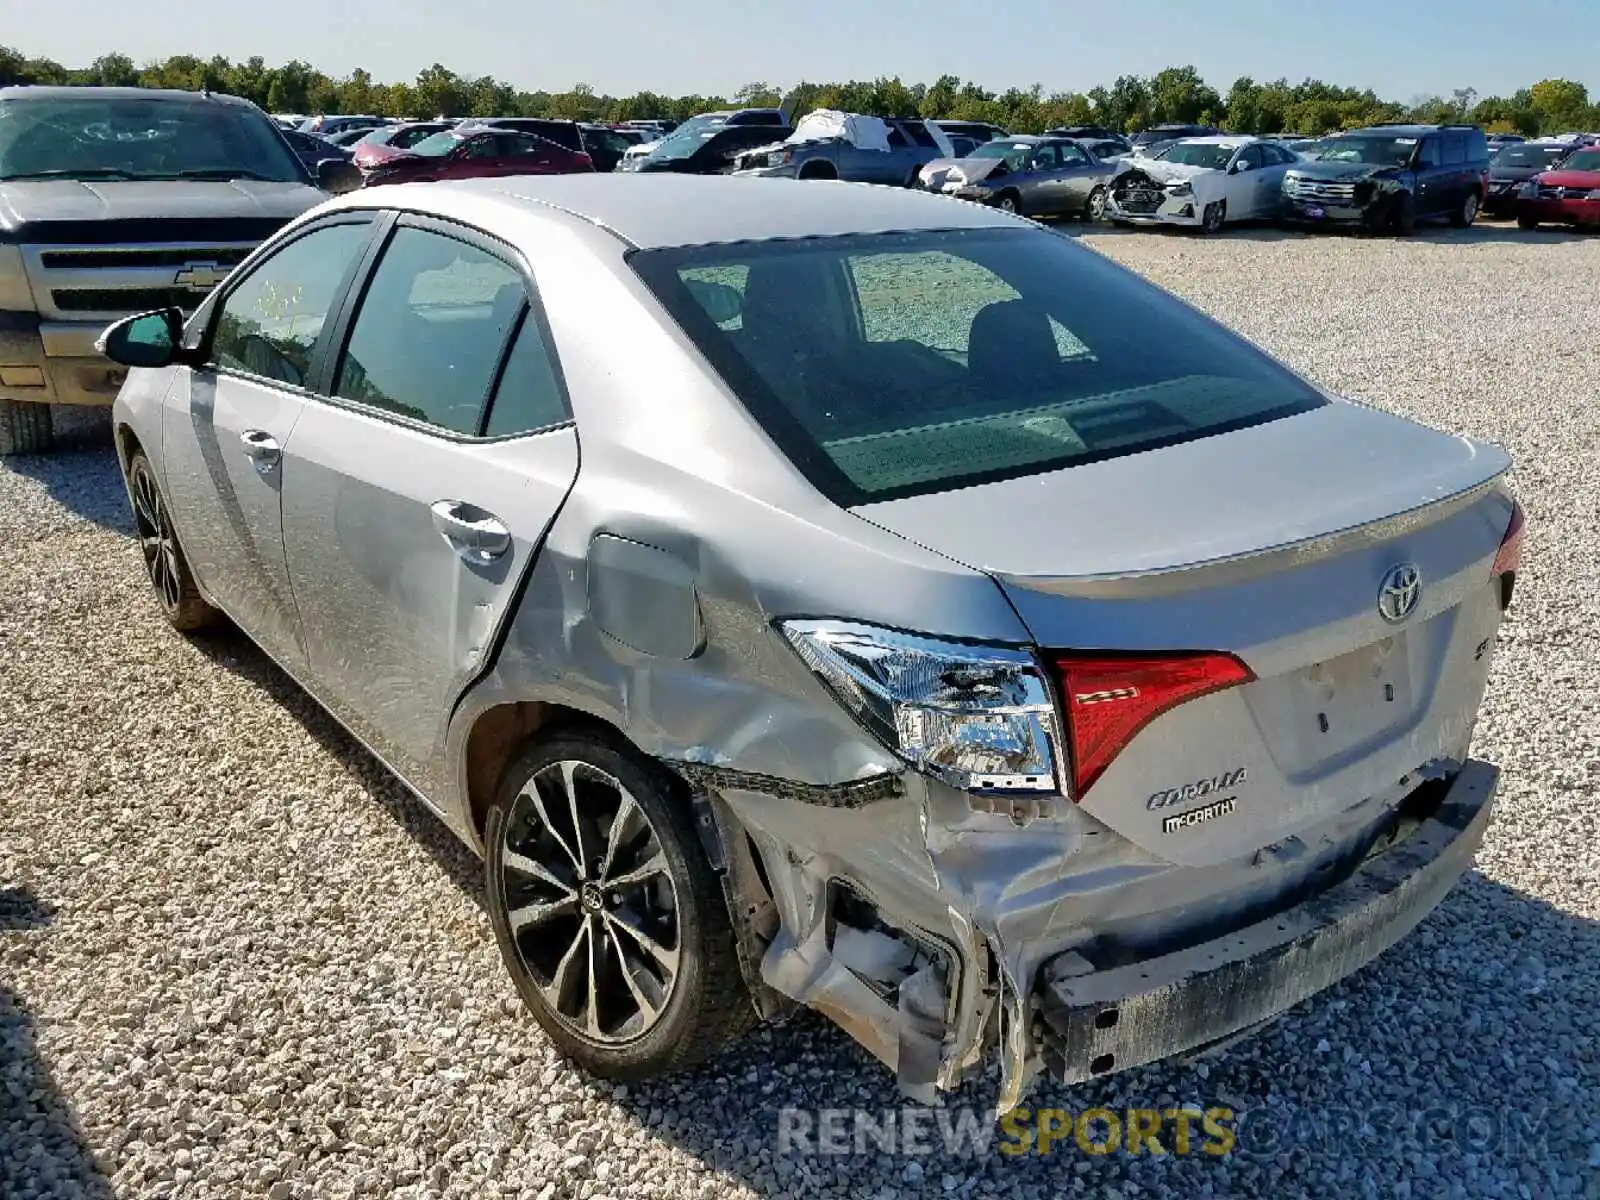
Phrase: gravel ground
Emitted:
{"points": [[235, 960]]}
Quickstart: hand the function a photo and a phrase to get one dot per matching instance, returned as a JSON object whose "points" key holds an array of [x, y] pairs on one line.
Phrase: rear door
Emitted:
{"points": [[417, 494], [226, 423]]}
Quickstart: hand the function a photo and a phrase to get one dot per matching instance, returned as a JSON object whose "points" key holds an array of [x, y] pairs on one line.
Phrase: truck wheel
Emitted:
{"points": [[1405, 214], [1468, 213], [164, 562], [25, 427], [609, 919]]}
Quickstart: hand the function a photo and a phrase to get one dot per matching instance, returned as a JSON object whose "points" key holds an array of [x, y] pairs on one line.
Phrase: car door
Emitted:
{"points": [[525, 154], [418, 491], [1244, 183], [1275, 163], [1429, 166], [1076, 175], [473, 158], [225, 423], [1453, 172]]}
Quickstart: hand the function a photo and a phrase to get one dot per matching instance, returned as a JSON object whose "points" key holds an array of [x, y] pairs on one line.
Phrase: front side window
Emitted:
{"points": [[890, 365], [92, 137], [270, 323], [1072, 156], [427, 340]]}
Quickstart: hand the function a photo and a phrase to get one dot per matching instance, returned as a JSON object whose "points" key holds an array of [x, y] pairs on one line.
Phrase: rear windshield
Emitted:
{"points": [[892, 365], [98, 137]]}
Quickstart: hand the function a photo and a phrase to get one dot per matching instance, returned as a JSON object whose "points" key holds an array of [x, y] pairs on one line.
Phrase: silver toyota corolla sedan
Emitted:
{"points": [[813, 594]]}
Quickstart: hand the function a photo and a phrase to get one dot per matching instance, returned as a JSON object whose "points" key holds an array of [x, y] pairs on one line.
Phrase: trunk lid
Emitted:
{"points": [[1273, 544]]}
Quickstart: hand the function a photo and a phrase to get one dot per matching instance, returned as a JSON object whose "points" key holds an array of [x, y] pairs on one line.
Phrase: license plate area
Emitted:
{"points": [[1316, 212], [1344, 702]]}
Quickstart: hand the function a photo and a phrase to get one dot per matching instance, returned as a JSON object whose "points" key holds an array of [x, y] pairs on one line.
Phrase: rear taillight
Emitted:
{"points": [[1107, 699], [1509, 558]]}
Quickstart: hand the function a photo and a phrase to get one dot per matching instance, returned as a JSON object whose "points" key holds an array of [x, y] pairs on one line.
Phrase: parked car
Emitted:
{"points": [[1201, 182], [375, 145], [1499, 141], [313, 149], [117, 200], [1392, 176], [475, 152], [704, 149], [1512, 166], [1567, 195], [1161, 134], [978, 131], [605, 146], [790, 690], [827, 144], [1106, 149], [328, 126], [1034, 176], [771, 117], [1088, 133]]}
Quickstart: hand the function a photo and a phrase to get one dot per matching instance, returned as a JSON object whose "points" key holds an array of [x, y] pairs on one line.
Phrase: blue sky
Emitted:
{"points": [[1400, 49]]}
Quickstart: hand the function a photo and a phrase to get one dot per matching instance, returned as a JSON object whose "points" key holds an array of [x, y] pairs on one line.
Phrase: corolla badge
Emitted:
{"points": [[1399, 592]]}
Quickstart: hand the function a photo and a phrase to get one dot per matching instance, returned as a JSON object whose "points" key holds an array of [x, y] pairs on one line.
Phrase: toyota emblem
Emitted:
{"points": [[1399, 592]]}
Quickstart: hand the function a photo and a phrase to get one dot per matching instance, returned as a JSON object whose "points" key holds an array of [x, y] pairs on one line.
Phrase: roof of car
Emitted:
{"points": [[38, 92], [654, 211]]}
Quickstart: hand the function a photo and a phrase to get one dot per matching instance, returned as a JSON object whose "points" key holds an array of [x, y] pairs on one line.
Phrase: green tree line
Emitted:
{"points": [[1131, 102]]}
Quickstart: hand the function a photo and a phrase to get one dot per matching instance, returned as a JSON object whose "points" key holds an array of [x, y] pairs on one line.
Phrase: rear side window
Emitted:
{"points": [[429, 335], [529, 395], [892, 365], [1455, 149]]}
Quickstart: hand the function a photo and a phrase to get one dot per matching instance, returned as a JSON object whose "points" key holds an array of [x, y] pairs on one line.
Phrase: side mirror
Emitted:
{"points": [[146, 340], [337, 176], [720, 302], [1241, 165]]}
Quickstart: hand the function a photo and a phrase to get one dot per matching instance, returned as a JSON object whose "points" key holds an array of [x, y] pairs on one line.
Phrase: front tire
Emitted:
{"points": [[1468, 213], [164, 562], [608, 917], [25, 428], [1213, 217], [1527, 223], [1008, 202], [1405, 214]]}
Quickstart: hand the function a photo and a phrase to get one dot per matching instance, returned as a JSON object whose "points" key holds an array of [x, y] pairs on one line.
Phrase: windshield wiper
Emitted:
{"points": [[225, 173], [82, 173]]}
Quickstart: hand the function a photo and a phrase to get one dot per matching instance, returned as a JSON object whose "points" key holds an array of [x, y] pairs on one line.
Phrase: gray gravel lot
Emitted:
{"points": [[236, 960]]}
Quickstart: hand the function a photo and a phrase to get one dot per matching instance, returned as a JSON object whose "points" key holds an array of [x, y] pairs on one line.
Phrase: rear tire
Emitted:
{"points": [[1467, 214], [164, 562], [1527, 223], [25, 428], [558, 892], [1094, 208]]}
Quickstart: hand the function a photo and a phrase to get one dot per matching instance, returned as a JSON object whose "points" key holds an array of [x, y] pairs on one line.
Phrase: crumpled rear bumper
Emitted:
{"points": [[1102, 1021]]}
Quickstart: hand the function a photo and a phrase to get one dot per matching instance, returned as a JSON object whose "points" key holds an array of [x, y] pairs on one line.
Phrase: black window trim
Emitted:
{"points": [[532, 305], [208, 314]]}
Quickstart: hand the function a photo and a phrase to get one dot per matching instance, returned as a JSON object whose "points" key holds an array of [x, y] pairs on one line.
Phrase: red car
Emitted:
{"points": [[473, 152], [380, 144], [1568, 195]]}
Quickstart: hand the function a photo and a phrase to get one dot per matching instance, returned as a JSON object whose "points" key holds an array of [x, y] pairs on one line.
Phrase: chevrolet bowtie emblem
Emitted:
{"points": [[200, 277]]}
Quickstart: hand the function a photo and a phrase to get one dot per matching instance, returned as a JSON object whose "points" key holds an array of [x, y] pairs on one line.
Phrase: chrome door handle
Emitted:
{"points": [[476, 535], [261, 447]]}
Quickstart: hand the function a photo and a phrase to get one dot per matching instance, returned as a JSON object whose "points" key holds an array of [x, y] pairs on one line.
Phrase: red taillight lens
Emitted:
{"points": [[1510, 556], [1108, 699]]}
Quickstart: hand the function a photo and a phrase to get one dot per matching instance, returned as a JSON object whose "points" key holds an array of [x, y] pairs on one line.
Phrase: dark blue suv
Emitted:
{"points": [[1389, 177]]}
